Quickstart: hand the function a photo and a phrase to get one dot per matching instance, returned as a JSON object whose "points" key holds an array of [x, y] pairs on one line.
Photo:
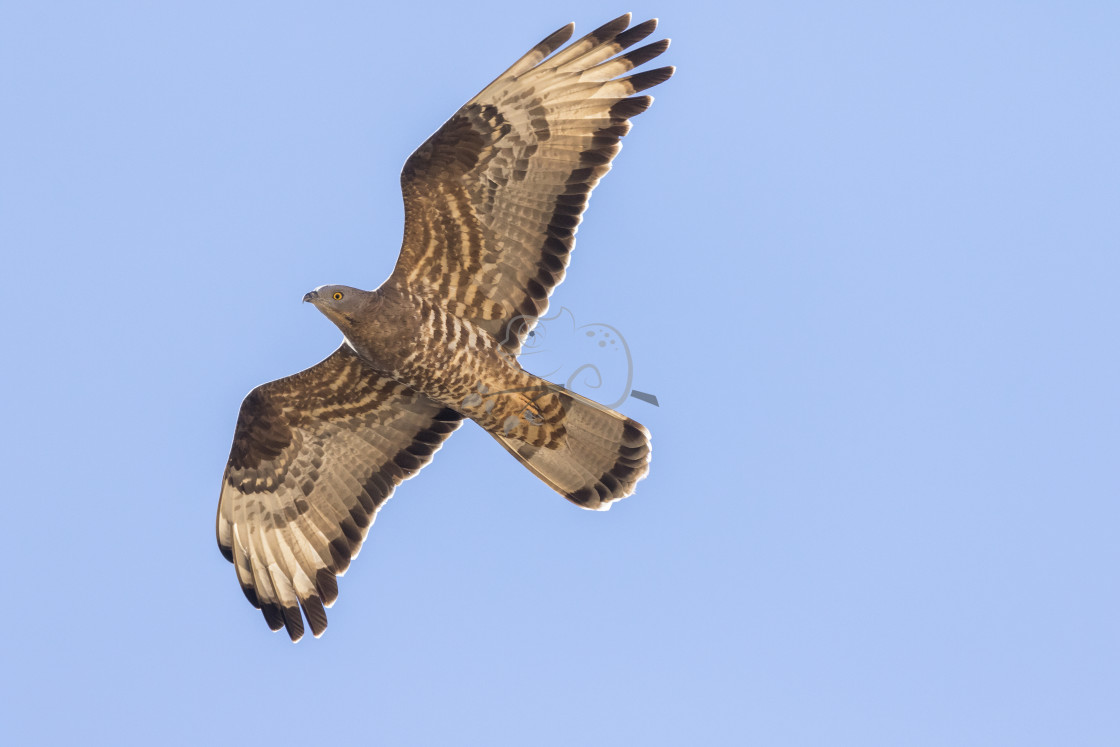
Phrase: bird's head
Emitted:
{"points": [[339, 303]]}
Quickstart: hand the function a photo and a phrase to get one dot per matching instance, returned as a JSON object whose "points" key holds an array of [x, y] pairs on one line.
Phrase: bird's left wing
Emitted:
{"points": [[314, 457], [493, 198]]}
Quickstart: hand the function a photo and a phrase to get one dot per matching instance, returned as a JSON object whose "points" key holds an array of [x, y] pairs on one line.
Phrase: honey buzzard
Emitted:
{"points": [[492, 201]]}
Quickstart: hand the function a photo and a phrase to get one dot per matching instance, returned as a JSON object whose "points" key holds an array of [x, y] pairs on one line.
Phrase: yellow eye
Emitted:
{"points": [[338, 295]]}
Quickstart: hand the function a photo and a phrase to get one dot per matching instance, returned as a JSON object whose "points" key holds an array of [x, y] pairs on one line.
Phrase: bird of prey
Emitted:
{"points": [[492, 201]]}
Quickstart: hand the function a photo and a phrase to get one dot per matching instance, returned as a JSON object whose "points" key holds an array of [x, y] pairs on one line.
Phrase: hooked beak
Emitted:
{"points": [[312, 296]]}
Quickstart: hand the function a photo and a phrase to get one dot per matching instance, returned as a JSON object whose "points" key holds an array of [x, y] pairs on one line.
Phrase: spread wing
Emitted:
{"points": [[493, 198], [314, 457]]}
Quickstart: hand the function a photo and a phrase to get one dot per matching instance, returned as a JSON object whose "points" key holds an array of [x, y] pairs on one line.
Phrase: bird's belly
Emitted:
{"points": [[470, 379], [462, 367]]}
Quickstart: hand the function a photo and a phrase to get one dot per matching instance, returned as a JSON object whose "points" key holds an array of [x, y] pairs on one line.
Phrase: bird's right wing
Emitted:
{"points": [[314, 457]]}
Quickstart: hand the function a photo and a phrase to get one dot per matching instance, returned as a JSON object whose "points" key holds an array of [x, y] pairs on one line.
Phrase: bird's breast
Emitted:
{"points": [[448, 358]]}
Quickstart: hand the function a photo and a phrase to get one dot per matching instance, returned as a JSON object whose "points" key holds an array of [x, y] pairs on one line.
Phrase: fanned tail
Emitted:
{"points": [[599, 456]]}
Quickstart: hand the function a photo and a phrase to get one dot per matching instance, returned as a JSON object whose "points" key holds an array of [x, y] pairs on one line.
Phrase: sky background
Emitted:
{"points": [[866, 255]]}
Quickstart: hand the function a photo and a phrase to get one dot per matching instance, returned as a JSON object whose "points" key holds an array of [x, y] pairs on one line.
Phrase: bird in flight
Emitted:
{"points": [[492, 201]]}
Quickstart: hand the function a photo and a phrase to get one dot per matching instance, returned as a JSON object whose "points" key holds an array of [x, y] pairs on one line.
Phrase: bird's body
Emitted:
{"points": [[456, 359], [463, 368], [460, 365], [492, 201]]}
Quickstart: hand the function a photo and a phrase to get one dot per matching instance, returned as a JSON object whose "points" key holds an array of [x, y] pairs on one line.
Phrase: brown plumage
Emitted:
{"points": [[492, 202]]}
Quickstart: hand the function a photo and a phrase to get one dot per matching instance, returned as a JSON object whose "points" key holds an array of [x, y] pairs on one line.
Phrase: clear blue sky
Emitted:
{"points": [[867, 256]]}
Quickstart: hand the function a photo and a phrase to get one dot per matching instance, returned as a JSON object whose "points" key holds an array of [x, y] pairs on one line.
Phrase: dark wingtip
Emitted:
{"points": [[632, 107], [611, 29], [272, 615], [316, 615], [623, 20], [341, 553], [327, 586], [293, 622], [642, 55], [553, 41], [651, 78], [634, 35], [251, 594]]}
